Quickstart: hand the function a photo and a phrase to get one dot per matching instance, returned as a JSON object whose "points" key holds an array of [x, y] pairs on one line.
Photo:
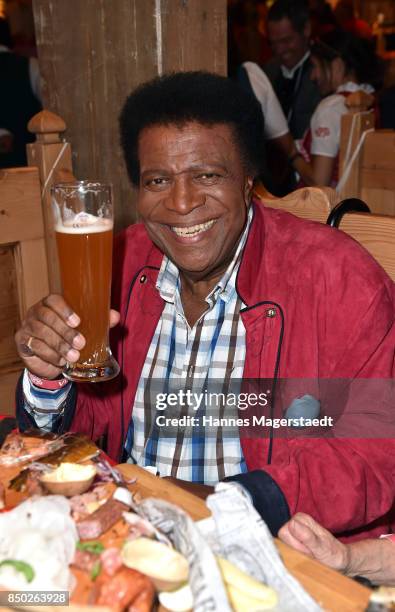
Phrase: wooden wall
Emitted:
{"points": [[92, 53]]}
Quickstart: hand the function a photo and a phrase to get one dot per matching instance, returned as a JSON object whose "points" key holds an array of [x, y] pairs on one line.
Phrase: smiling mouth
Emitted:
{"points": [[193, 230]]}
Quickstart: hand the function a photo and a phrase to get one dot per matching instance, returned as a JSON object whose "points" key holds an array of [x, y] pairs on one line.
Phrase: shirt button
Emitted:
{"points": [[143, 278], [271, 312]]}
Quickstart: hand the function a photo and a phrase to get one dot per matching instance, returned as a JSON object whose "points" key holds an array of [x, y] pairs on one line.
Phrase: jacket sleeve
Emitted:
{"points": [[346, 481]]}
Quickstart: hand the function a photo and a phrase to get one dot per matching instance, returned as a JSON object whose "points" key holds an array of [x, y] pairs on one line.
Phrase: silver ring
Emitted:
{"points": [[27, 348]]}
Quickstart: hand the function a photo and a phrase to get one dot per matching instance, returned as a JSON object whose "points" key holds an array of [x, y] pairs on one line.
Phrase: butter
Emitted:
{"points": [[70, 472]]}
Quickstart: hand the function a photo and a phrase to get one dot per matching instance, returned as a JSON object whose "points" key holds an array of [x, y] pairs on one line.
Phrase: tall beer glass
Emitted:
{"points": [[83, 220]]}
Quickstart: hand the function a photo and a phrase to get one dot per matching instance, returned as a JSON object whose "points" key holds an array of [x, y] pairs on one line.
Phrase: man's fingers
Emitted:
{"points": [[304, 534], [48, 337], [55, 357], [58, 335], [289, 538], [57, 303], [321, 544], [114, 317], [42, 369]]}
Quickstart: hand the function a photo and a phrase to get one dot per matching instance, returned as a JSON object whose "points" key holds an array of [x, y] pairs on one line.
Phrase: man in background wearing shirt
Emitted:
{"points": [[289, 32]]}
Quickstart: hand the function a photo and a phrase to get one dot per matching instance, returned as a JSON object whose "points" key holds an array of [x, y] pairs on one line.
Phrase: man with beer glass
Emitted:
{"points": [[214, 286]]}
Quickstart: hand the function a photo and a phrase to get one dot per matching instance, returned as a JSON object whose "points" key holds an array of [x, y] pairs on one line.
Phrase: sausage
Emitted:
{"points": [[144, 601], [122, 589], [101, 520], [111, 560]]}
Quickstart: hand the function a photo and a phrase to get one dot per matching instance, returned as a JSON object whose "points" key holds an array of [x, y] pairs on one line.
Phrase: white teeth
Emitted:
{"points": [[193, 230]]}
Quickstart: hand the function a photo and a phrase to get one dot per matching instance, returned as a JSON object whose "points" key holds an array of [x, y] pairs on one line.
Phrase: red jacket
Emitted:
{"points": [[333, 308]]}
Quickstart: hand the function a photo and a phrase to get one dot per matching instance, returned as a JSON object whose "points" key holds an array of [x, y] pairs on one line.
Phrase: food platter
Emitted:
{"points": [[329, 588]]}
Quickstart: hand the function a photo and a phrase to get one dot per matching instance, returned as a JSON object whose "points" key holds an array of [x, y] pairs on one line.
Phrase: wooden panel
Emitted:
{"points": [[9, 377], [311, 203], [54, 163], [194, 35], [9, 310], [353, 125], [19, 195], [379, 150], [23, 267], [376, 233], [380, 201], [32, 273], [377, 172], [113, 50]]}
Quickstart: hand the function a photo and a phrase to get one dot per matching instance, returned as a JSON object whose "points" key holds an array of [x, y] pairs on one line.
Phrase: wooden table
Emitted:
{"points": [[330, 589]]}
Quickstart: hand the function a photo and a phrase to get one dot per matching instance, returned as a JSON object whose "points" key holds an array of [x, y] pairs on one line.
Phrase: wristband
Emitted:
{"points": [[45, 383], [293, 157]]}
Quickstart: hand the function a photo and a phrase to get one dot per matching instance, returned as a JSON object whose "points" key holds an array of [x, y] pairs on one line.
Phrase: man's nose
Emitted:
{"points": [[184, 196]]}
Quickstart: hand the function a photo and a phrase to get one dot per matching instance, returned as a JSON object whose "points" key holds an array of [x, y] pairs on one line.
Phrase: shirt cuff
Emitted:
{"points": [[44, 400], [267, 497]]}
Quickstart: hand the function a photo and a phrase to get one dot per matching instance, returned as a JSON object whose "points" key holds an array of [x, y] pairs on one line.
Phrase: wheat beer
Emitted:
{"points": [[85, 256], [84, 241]]}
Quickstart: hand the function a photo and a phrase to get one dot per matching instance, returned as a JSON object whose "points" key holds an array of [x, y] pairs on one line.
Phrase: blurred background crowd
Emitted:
{"points": [[300, 58]]}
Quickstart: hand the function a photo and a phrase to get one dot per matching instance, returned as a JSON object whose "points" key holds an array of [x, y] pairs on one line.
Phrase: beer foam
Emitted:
{"points": [[84, 223]]}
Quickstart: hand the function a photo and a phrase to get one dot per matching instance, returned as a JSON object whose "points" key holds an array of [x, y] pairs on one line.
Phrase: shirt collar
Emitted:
{"points": [[289, 73], [168, 280]]}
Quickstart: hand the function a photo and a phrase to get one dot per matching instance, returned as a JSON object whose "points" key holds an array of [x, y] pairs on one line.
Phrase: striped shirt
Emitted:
{"points": [[180, 357]]}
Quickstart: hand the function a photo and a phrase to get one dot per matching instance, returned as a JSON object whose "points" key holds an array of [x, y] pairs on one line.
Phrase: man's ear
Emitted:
{"points": [[248, 185]]}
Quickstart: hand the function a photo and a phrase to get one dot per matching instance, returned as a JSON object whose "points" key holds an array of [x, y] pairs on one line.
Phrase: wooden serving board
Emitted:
{"points": [[330, 589]]}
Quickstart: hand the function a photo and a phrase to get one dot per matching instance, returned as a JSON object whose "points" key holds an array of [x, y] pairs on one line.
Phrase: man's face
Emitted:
{"points": [[288, 44], [193, 196]]}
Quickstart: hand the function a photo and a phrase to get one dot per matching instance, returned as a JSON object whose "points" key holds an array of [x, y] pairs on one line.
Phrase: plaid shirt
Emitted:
{"points": [[213, 350]]}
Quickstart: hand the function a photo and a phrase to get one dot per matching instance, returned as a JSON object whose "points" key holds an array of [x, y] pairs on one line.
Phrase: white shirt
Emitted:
{"points": [[275, 122], [288, 73], [325, 123]]}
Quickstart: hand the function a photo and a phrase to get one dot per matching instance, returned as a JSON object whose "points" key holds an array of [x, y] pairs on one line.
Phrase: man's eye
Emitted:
{"points": [[208, 177], [156, 183]]}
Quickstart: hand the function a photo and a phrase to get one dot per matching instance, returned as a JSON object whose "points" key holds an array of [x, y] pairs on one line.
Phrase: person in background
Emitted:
{"points": [[289, 30], [341, 64], [20, 99], [373, 559], [278, 140]]}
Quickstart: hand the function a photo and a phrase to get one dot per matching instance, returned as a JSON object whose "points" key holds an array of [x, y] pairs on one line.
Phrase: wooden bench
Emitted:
{"points": [[376, 233], [313, 203], [28, 269], [371, 176]]}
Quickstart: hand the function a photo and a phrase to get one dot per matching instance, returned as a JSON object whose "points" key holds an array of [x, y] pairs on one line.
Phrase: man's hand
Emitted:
{"points": [[48, 337], [303, 533]]}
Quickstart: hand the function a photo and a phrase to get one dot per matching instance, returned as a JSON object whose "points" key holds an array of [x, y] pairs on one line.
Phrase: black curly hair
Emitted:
{"points": [[201, 97], [297, 11]]}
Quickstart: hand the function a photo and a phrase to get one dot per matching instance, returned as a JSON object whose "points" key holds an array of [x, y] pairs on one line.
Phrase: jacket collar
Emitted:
{"points": [[248, 275]]}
